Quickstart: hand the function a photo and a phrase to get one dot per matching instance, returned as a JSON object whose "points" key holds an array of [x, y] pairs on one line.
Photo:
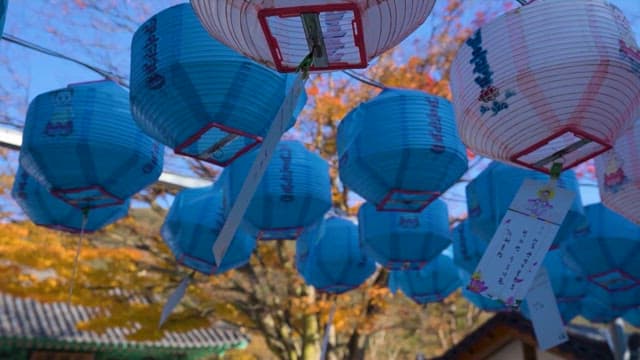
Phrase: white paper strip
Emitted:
{"points": [[269, 143], [514, 255], [174, 299], [545, 315], [327, 332]]}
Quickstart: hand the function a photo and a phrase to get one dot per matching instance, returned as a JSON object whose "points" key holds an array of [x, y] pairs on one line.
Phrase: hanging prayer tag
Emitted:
{"points": [[514, 255], [543, 311], [174, 299], [327, 333], [269, 144]]}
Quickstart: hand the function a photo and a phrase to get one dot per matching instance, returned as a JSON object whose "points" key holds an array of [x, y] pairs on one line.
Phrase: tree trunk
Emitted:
{"points": [[312, 334], [311, 341], [444, 344], [357, 346]]}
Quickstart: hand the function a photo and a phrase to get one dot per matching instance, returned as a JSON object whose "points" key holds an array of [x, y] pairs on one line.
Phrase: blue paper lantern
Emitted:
{"points": [[633, 317], [467, 247], [3, 13], [294, 193], [484, 303], [198, 96], [432, 283], [404, 241], [490, 194], [600, 307], [45, 209], [568, 285], [569, 310], [81, 143], [481, 302], [192, 227], [329, 257], [480, 206], [607, 255], [400, 151]]}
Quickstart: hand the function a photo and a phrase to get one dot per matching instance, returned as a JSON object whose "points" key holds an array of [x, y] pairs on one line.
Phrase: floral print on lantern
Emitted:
{"points": [[489, 94], [61, 122], [614, 176]]}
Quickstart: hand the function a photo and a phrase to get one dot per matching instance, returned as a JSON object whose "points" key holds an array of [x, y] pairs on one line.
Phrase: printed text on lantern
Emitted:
{"points": [[154, 80], [489, 94], [286, 177], [436, 125]]}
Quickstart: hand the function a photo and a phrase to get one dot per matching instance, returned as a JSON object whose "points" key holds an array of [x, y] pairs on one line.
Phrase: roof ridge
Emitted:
{"points": [[29, 318]]}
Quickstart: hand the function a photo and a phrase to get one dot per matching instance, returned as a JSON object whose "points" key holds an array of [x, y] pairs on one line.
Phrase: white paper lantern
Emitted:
{"points": [[618, 173], [556, 80], [343, 33]]}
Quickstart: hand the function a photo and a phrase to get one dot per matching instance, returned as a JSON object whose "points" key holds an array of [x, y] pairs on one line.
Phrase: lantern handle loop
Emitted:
{"points": [[306, 63], [555, 171]]}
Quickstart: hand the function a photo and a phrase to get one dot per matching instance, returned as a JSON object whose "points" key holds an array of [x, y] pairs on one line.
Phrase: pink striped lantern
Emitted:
{"points": [[553, 81], [618, 173], [342, 34]]}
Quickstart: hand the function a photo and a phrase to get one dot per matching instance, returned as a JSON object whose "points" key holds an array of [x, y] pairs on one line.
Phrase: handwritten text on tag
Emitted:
{"points": [[515, 253]]}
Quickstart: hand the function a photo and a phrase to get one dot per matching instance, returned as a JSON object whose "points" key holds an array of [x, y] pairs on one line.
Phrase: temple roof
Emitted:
{"points": [[27, 319]]}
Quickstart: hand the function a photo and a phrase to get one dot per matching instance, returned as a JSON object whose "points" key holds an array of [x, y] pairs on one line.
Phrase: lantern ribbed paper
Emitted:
{"points": [[607, 254], [330, 258], [192, 227], [467, 248], [294, 193], [479, 301], [400, 150], [432, 283], [3, 13], [343, 33], [618, 173], [81, 143], [490, 194], [197, 95], [553, 80], [44, 209], [401, 241]]}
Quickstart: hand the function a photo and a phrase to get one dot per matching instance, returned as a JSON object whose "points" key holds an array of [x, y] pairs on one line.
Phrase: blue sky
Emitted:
{"points": [[48, 73], [40, 21]]}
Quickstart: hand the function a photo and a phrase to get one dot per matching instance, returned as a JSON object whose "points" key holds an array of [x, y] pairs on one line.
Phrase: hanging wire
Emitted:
{"points": [[35, 47], [122, 81], [365, 80]]}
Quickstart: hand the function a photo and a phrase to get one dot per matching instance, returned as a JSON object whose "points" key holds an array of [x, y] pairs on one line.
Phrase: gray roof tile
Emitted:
{"points": [[30, 319]]}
